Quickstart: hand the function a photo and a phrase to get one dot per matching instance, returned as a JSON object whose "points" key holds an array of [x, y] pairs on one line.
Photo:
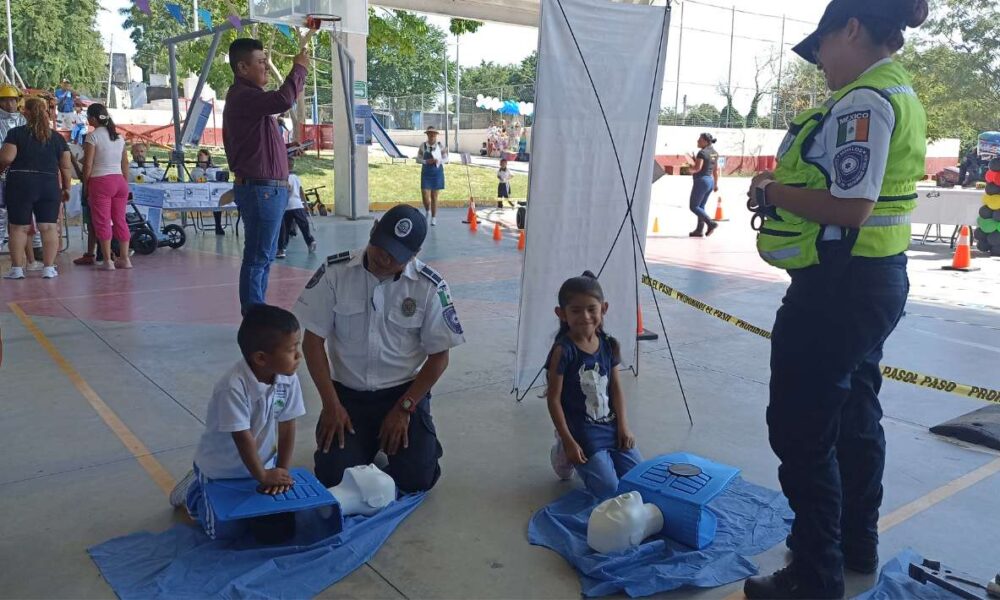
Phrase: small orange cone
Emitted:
{"points": [[473, 223], [718, 211], [521, 241], [656, 225], [497, 233], [471, 213], [963, 253], [638, 323]]}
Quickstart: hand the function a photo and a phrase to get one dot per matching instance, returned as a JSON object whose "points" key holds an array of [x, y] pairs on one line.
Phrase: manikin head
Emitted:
{"points": [[621, 523], [364, 490]]}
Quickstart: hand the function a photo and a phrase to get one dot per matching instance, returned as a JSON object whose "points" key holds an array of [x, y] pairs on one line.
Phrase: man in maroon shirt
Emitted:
{"points": [[258, 158]]}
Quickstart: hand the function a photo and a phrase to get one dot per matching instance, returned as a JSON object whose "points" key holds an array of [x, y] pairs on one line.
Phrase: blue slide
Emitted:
{"points": [[384, 140]]}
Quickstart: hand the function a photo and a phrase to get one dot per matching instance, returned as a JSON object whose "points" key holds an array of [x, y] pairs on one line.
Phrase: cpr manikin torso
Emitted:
{"points": [[621, 523], [364, 490]]}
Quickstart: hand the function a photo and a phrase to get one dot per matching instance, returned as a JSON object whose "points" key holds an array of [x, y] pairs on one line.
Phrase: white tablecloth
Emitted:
{"points": [[947, 206], [174, 196]]}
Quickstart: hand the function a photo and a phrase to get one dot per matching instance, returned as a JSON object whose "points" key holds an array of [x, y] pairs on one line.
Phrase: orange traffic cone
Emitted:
{"points": [[471, 213], [497, 233], [718, 211], [638, 322], [521, 241], [473, 223], [963, 253], [656, 225]]}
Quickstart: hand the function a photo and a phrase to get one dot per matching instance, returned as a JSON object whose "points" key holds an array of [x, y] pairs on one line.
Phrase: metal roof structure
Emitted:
{"points": [[514, 12]]}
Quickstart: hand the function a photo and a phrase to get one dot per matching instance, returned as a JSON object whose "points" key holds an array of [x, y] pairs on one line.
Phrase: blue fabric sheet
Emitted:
{"points": [[894, 582], [751, 520], [182, 562]]}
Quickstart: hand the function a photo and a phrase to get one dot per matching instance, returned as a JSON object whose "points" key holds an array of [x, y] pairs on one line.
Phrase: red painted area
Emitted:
{"points": [[753, 164], [212, 136], [184, 286]]}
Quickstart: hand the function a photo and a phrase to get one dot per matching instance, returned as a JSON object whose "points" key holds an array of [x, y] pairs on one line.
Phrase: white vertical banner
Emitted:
{"points": [[597, 97]]}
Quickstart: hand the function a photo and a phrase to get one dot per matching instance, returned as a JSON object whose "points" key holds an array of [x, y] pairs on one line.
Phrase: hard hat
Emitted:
{"points": [[9, 91]]}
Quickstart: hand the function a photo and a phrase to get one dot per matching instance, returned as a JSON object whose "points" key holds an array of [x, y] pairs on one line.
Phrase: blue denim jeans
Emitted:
{"points": [[606, 463], [700, 191], [262, 208], [824, 412]]}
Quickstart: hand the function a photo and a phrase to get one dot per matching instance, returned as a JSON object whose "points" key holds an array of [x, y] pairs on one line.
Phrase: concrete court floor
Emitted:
{"points": [[150, 344]]}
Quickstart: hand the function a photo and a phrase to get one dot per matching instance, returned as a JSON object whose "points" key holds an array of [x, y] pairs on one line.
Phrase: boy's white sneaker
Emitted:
{"points": [[178, 495], [14, 273], [560, 462], [49, 273], [434, 221]]}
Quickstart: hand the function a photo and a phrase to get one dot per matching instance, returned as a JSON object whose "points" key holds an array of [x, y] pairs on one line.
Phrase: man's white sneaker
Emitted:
{"points": [[49, 273], [14, 273]]}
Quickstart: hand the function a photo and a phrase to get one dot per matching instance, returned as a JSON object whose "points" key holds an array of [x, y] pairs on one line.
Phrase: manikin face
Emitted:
{"points": [[139, 154], [621, 523]]}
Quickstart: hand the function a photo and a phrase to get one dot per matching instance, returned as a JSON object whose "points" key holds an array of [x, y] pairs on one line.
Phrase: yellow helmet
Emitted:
{"points": [[9, 91]]}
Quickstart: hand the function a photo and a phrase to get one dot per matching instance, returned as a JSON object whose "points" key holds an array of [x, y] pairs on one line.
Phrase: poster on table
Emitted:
{"points": [[593, 55]]}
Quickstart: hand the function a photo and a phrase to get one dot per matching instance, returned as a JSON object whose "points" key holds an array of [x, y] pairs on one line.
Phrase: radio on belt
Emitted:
{"points": [[681, 485]]}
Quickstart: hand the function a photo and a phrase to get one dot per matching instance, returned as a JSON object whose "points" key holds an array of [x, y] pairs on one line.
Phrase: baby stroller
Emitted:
{"points": [[144, 239]]}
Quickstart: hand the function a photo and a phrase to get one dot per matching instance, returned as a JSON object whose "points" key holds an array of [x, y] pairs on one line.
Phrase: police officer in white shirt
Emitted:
{"points": [[378, 327]]}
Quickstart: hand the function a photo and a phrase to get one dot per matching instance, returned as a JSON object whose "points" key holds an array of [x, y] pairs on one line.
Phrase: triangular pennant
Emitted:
{"points": [[285, 31], [206, 17], [175, 12], [234, 16], [143, 5]]}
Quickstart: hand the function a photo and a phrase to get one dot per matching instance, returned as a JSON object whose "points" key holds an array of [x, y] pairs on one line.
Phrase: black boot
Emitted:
{"points": [[711, 228], [785, 585]]}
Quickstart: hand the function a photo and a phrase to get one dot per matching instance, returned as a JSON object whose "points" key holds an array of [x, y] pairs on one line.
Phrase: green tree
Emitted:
{"points": [[702, 114], [406, 63], [56, 39], [803, 86]]}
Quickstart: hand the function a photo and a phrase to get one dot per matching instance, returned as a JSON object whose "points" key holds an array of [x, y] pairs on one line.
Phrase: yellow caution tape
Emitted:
{"points": [[893, 373]]}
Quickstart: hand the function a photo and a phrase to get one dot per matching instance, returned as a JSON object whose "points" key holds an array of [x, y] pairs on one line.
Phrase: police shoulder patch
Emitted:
{"points": [[851, 166], [451, 319], [431, 274], [337, 258]]}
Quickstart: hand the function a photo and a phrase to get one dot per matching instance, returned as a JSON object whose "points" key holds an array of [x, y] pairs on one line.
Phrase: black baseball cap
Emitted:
{"points": [[837, 14], [400, 232]]}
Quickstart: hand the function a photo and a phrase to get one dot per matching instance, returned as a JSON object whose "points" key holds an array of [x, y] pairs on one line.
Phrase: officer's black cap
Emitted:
{"points": [[837, 14], [400, 232]]}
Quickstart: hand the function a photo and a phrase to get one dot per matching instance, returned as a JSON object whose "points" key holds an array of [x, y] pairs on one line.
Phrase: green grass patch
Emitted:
{"points": [[391, 182]]}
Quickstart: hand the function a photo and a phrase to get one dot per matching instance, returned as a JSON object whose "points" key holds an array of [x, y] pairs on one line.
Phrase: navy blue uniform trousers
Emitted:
{"points": [[414, 469], [824, 413]]}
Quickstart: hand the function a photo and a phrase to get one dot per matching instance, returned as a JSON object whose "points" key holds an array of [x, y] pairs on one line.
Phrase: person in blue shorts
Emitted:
{"points": [[432, 155]]}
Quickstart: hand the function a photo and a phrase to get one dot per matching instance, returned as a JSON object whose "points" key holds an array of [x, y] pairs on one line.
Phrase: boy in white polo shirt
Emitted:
{"points": [[250, 426]]}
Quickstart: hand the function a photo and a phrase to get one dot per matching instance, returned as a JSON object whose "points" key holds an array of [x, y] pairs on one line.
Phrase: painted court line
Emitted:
{"points": [[160, 476]]}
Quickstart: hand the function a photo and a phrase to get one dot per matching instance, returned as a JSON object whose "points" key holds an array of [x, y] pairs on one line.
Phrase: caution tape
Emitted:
{"points": [[894, 373]]}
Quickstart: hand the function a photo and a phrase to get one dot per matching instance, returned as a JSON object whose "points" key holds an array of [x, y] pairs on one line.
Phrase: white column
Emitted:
{"points": [[343, 130]]}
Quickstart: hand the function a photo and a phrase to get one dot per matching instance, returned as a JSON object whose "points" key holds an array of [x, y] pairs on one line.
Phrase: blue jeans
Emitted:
{"points": [[824, 413], [606, 463], [700, 192], [262, 209]]}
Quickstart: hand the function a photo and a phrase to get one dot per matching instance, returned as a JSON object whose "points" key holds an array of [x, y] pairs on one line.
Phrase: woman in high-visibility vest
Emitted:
{"points": [[835, 214]]}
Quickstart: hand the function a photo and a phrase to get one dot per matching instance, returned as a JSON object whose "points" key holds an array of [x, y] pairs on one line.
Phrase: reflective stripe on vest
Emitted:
{"points": [[887, 231]]}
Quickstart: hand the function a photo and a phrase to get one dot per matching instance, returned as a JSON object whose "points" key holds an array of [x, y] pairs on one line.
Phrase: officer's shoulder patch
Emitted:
{"points": [[851, 166], [431, 274], [338, 258]]}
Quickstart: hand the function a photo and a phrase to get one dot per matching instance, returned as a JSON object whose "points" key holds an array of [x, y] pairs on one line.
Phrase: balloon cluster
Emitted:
{"points": [[987, 234], [506, 107]]}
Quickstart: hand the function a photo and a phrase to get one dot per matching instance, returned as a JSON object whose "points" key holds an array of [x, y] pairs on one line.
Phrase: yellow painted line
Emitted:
{"points": [[139, 450], [938, 495]]}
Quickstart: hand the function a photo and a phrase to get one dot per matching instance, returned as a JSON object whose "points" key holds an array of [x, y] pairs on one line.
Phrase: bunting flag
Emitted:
{"points": [[143, 5], [285, 31], [206, 17], [234, 17], [175, 12]]}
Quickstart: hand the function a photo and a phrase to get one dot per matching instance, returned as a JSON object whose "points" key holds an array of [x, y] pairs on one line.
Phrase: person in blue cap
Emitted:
{"points": [[379, 324], [835, 214]]}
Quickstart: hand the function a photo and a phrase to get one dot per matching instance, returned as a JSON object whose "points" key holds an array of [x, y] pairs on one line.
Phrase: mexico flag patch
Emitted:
{"points": [[853, 128]]}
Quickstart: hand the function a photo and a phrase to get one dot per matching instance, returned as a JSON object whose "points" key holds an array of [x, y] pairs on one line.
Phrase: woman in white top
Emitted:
{"points": [[432, 155], [105, 177]]}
